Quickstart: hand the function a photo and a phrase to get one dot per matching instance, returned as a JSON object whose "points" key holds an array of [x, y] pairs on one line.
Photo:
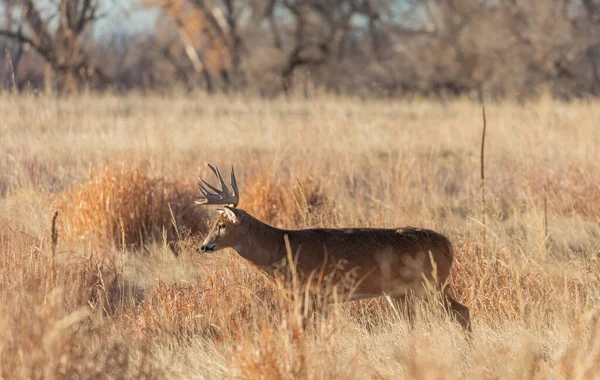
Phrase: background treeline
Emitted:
{"points": [[480, 48]]}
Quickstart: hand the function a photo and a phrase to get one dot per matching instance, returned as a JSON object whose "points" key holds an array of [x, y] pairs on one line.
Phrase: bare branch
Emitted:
{"points": [[18, 36]]}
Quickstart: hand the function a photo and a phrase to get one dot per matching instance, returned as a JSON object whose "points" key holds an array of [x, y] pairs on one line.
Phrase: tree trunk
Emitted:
{"points": [[48, 79]]}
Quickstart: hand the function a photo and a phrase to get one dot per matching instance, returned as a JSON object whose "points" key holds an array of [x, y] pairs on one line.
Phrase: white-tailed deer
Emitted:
{"points": [[381, 262]]}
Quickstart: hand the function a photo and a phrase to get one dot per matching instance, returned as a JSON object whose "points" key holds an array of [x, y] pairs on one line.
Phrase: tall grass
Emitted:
{"points": [[129, 295], [125, 206]]}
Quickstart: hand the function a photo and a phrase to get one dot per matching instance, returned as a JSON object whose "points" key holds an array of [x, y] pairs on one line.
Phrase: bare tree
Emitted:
{"points": [[209, 31], [482, 48], [55, 32], [13, 56], [321, 30]]}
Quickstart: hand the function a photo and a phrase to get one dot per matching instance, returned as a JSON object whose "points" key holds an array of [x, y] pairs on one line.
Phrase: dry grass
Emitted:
{"points": [[124, 206], [290, 202], [123, 170]]}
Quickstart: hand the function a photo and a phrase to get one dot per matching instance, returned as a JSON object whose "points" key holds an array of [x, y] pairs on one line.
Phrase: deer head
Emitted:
{"points": [[223, 232]]}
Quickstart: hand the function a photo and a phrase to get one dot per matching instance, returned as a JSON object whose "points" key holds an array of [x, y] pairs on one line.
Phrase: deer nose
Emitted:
{"points": [[208, 247]]}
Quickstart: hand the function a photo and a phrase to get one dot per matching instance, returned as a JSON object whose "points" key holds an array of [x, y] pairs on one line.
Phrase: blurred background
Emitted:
{"points": [[484, 49]]}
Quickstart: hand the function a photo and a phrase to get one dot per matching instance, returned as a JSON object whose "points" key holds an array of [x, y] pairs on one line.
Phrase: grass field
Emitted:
{"points": [[102, 295]]}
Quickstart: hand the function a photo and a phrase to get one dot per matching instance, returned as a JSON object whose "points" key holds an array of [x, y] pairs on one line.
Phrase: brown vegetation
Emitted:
{"points": [[282, 201], [120, 205], [74, 309]]}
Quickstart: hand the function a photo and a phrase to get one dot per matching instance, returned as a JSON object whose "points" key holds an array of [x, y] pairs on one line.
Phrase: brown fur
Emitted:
{"points": [[394, 262]]}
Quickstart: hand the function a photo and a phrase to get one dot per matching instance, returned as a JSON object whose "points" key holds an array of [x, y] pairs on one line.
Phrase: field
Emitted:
{"points": [[113, 286]]}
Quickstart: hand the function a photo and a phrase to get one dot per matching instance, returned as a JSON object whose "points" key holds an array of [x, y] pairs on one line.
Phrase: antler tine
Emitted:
{"points": [[222, 196], [225, 189], [217, 191], [234, 184], [205, 193], [201, 189]]}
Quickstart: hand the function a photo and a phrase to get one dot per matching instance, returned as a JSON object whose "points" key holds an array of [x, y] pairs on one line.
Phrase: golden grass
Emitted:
{"points": [[120, 205], [284, 201], [112, 166]]}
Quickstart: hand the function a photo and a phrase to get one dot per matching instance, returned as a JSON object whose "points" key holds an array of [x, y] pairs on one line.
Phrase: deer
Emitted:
{"points": [[398, 263]]}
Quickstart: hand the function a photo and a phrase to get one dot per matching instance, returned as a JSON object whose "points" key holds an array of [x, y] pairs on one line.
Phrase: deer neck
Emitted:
{"points": [[261, 244]]}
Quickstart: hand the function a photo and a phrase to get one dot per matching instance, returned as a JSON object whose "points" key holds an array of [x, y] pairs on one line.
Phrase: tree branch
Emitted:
{"points": [[17, 36]]}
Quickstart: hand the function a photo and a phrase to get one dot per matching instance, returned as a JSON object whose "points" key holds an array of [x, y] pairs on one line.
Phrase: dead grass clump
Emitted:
{"points": [[289, 348], [574, 190], [44, 340], [104, 288], [92, 281], [290, 202], [507, 287], [49, 311], [274, 356], [220, 305], [122, 205], [494, 286]]}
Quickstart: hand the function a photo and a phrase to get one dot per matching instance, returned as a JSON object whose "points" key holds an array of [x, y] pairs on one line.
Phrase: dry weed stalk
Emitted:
{"points": [[482, 177]]}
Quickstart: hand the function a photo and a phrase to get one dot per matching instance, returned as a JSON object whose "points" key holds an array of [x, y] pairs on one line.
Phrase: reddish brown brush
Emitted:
{"points": [[121, 205], [574, 191], [494, 287], [284, 202], [55, 331], [220, 305]]}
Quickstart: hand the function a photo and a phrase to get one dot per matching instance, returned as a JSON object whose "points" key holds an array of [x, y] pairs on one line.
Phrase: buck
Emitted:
{"points": [[396, 263]]}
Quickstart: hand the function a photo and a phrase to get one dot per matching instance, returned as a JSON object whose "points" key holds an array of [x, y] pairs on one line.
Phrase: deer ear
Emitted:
{"points": [[230, 215]]}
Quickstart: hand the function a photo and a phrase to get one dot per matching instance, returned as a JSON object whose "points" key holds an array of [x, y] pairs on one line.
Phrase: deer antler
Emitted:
{"points": [[219, 197]]}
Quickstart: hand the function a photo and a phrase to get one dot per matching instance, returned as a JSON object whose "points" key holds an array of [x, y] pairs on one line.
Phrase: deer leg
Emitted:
{"points": [[459, 311]]}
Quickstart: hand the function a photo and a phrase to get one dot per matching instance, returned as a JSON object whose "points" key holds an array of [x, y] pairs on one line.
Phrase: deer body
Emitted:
{"points": [[385, 260], [378, 262]]}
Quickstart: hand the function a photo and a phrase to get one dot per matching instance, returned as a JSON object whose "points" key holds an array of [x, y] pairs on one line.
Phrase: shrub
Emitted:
{"points": [[121, 205], [290, 202]]}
